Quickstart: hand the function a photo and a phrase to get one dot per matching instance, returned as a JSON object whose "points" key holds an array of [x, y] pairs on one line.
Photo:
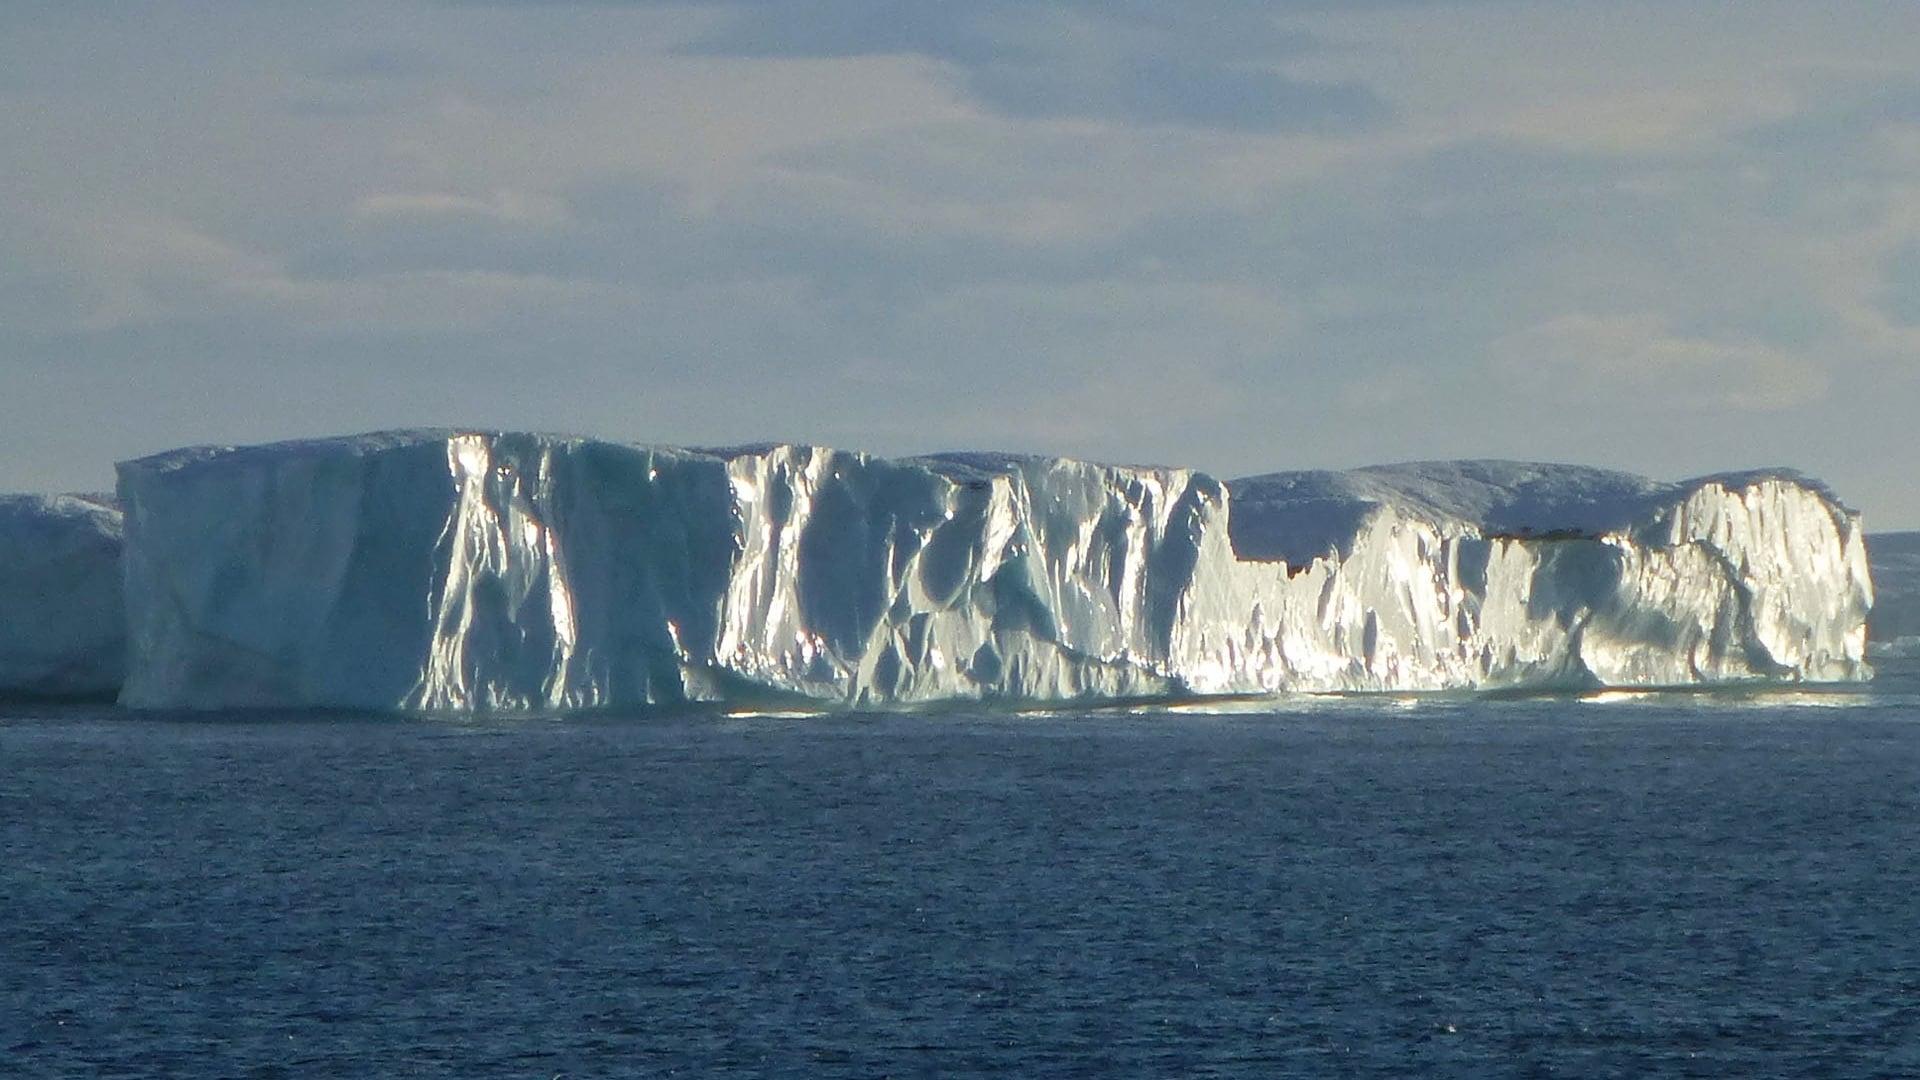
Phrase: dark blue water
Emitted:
{"points": [[1715, 886]]}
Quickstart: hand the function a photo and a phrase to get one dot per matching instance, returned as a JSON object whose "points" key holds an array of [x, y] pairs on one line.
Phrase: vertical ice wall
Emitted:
{"points": [[870, 581], [1434, 579], [425, 570]]}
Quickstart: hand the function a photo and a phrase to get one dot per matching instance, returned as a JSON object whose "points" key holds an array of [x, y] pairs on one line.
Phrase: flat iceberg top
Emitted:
{"points": [[986, 462], [1291, 517], [35, 511], [1298, 516], [332, 446], [58, 503], [955, 465]]}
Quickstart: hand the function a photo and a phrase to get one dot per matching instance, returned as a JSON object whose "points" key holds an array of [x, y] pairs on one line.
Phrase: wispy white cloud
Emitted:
{"points": [[1222, 65], [1850, 273], [1638, 362], [517, 208]]}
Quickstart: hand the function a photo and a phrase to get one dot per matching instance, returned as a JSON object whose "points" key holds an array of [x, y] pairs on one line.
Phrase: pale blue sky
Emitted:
{"points": [[1667, 237]]}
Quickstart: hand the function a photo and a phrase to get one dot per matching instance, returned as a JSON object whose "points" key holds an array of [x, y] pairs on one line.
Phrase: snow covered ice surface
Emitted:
{"points": [[62, 625], [454, 571]]}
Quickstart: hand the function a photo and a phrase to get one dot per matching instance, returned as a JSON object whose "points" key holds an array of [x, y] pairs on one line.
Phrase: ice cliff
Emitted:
{"points": [[451, 571], [62, 624]]}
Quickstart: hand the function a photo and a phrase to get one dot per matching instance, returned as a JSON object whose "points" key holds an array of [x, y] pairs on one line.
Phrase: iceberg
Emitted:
{"points": [[62, 623], [456, 571]]}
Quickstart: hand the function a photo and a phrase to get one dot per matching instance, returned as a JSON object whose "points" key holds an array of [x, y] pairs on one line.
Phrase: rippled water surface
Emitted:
{"points": [[1721, 885]]}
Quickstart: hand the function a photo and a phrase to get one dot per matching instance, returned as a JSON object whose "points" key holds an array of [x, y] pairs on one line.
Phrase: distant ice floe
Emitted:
{"points": [[1898, 648], [444, 571]]}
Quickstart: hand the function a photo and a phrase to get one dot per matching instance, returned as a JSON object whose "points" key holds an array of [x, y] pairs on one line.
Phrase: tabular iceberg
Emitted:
{"points": [[62, 624], [460, 571]]}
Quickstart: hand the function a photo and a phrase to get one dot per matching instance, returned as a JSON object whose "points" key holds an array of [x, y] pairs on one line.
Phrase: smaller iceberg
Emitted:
{"points": [[62, 619]]}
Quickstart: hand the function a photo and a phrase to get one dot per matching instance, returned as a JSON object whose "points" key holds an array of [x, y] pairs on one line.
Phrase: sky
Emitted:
{"points": [[1671, 237]]}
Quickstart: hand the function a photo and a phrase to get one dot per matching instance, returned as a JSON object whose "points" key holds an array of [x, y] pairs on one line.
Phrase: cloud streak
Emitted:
{"points": [[1210, 65], [1638, 362]]}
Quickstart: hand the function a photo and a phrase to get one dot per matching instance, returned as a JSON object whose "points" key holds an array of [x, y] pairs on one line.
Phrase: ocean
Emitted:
{"points": [[1719, 884]]}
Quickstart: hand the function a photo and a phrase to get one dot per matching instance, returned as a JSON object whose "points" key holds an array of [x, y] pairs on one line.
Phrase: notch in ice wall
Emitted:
{"points": [[448, 571]]}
